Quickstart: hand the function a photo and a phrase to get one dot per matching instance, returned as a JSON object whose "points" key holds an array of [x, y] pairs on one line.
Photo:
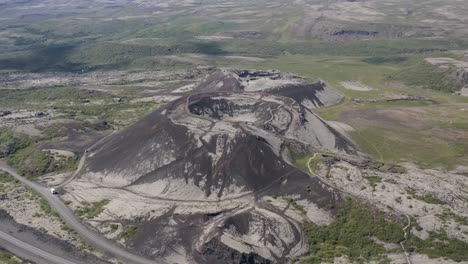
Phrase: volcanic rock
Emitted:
{"points": [[226, 142]]}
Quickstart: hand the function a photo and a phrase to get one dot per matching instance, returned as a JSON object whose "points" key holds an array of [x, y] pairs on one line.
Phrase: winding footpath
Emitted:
{"points": [[405, 233], [91, 237]]}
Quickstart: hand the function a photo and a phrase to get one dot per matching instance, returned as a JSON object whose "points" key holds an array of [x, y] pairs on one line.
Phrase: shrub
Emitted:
{"points": [[89, 211], [351, 235], [438, 245], [129, 232]]}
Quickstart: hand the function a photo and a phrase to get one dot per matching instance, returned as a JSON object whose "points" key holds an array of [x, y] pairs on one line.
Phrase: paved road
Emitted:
{"points": [[91, 237], [29, 252]]}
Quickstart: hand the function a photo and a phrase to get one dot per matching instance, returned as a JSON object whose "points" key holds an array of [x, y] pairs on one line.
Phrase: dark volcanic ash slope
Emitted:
{"points": [[229, 146], [222, 143]]}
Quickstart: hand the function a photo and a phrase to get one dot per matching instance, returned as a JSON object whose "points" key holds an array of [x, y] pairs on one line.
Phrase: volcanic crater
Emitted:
{"points": [[211, 175]]}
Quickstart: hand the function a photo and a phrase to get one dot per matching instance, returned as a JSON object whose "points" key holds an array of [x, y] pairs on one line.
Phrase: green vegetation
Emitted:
{"points": [[295, 205], [6, 258], [113, 227], [385, 60], [20, 152], [370, 48], [373, 181], [457, 125], [178, 37], [330, 113], [101, 55], [111, 113], [333, 70], [129, 232], [352, 235], [54, 131], [7, 182], [439, 245], [185, 28], [395, 146], [91, 210], [425, 75], [11, 142], [45, 207], [31, 162], [392, 168], [69, 100], [66, 228], [48, 96], [402, 103], [448, 215], [86, 247], [301, 161], [428, 198]]}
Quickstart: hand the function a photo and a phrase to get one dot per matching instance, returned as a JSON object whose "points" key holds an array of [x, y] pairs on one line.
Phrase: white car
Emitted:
{"points": [[53, 191]]}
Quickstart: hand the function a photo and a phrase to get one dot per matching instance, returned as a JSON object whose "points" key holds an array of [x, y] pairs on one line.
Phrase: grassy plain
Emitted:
{"points": [[396, 142]]}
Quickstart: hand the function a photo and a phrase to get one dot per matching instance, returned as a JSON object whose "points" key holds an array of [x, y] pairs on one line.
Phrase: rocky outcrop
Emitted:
{"points": [[6, 148], [456, 71], [460, 76], [344, 32], [5, 113]]}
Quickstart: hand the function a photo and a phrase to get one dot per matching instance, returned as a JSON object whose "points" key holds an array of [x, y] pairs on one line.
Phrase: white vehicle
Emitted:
{"points": [[53, 191]]}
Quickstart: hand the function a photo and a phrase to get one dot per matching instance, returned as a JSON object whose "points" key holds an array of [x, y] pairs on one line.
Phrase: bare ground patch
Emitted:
{"points": [[356, 86]]}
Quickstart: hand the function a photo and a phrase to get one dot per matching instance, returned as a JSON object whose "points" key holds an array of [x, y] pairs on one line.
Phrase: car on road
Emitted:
{"points": [[53, 191]]}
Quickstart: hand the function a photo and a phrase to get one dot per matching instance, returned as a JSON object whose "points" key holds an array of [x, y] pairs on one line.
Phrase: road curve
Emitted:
{"points": [[75, 173], [91, 237], [83, 160], [32, 253]]}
